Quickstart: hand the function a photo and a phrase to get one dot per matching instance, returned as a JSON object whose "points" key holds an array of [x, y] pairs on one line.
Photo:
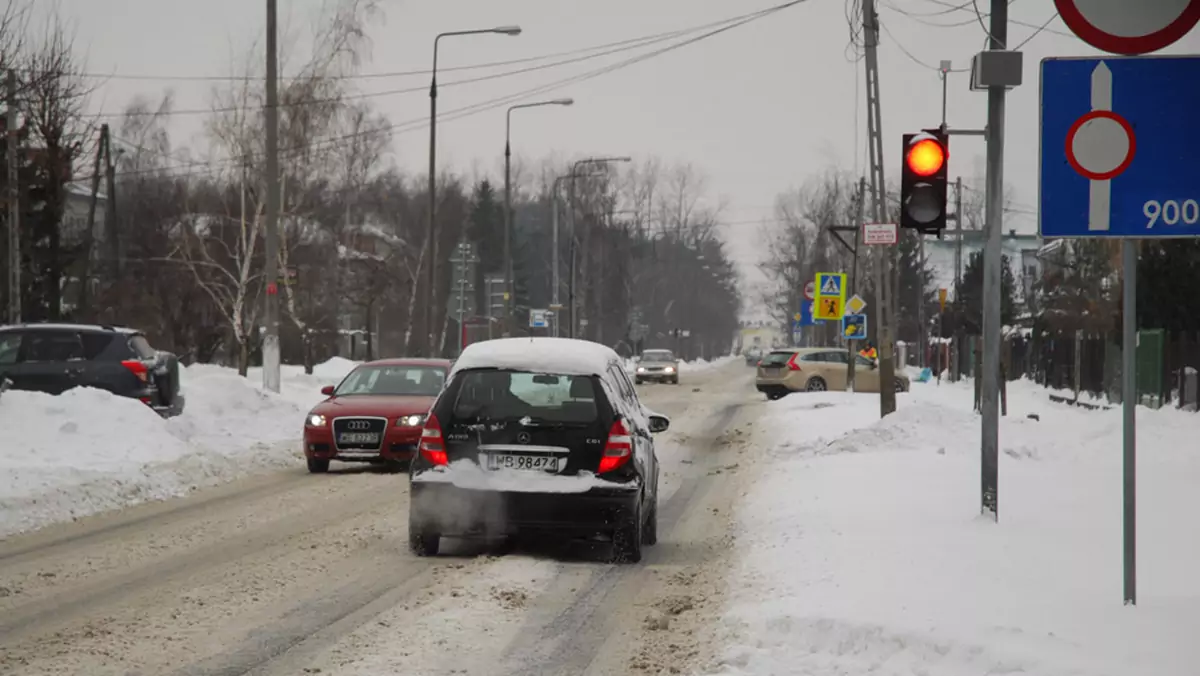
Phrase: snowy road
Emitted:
{"points": [[288, 573]]}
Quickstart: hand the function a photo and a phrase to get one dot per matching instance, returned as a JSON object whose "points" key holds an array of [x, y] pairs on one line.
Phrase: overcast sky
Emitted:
{"points": [[758, 109]]}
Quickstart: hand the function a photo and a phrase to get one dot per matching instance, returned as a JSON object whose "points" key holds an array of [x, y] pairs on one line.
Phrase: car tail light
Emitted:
{"points": [[432, 447], [794, 365], [138, 369], [618, 449]]}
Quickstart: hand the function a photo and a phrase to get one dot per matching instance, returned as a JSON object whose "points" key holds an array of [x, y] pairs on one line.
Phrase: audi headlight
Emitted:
{"points": [[415, 420], [315, 420]]}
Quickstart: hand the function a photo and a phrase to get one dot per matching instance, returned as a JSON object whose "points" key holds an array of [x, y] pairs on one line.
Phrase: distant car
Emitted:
{"points": [[816, 369], [657, 366], [753, 356], [54, 358], [541, 436], [375, 414]]}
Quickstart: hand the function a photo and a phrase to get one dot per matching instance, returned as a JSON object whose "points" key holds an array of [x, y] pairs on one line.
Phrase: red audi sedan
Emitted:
{"points": [[375, 415]]}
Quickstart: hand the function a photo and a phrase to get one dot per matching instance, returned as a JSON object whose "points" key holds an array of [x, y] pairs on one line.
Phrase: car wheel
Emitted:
{"points": [[899, 386], [421, 542], [318, 466], [776, 396], [816, 384], [627, 541], [675, 381], [650, 529], [638, 381]]}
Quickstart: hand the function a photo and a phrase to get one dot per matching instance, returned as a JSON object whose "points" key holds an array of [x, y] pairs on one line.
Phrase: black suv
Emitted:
{"points": [[541, 436], [54, 358]]}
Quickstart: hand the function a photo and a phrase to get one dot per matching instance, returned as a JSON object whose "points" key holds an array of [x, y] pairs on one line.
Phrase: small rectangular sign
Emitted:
{"points": [[880, 233]]}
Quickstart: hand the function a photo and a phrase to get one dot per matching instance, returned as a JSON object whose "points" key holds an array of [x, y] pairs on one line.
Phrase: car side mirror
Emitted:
{"points": [[327, 390], [659, 423]]}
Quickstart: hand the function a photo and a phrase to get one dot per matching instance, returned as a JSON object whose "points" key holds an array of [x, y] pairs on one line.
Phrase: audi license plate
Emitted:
{"points": [[523, 461], [358, 438]]}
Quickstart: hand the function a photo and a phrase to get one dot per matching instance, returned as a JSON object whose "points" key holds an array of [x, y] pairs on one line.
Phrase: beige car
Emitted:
{"points": [[816, 369]]}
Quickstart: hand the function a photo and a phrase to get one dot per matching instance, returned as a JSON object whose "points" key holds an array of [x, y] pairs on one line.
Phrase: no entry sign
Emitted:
{"points": [[1129, 26]]}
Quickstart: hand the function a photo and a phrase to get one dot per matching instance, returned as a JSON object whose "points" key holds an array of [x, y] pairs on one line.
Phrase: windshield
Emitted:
{"points": [[657, 355], [509, 395], [416, 381]]}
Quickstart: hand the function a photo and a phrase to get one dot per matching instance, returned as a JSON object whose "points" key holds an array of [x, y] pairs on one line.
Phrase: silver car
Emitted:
{"points": [[658, 366]]}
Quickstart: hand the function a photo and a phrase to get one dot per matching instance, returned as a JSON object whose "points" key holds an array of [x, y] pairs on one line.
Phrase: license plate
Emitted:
{"points": [[773, 371], [524, 462], [358, 438]]}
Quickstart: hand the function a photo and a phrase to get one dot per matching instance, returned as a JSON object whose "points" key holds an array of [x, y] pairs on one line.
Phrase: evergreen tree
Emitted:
{"points": [[916, 286], [1166, 279], [967, 312], [485, 229]]}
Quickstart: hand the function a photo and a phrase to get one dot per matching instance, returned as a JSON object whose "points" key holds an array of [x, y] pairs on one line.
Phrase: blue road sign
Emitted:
{"points": [[854, 327], [806, 315], [829, 283], [1120, 147]]}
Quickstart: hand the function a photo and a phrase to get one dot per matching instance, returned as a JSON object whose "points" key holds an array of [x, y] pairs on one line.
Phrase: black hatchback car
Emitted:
{"points": [[537, 436], [54, 358]]}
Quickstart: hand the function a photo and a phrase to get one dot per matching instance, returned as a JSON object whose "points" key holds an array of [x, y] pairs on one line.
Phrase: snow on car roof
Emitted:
{"points": [[563, 356]]}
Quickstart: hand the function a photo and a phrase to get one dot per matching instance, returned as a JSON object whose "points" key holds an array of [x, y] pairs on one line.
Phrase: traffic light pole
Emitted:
{"points": [[992, 260]]}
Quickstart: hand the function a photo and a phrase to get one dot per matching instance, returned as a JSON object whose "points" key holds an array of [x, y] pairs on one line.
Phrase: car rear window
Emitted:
{"points": [[488, 395], [777, 358]]}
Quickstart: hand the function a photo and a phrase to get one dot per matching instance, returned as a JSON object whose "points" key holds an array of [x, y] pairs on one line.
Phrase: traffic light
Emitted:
{"points": [[923, 184]]}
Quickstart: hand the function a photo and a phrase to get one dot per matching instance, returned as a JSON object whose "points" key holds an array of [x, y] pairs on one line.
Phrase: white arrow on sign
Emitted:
{"points": [[1129, 26]]}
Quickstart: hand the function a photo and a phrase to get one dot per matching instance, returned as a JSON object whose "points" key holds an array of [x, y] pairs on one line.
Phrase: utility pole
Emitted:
{"points": [[110, 208], [990, 395], [956, 347], [464, 262], [271, 274], [14, 206], [883, 277], [862, 204], [86, 288]]}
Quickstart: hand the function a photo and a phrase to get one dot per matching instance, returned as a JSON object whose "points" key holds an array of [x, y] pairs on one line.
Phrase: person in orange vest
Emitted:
{"points": [[869, 352]]}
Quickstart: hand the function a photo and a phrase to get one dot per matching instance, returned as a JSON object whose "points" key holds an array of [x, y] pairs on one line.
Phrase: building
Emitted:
{"points": [[1021, 248]]}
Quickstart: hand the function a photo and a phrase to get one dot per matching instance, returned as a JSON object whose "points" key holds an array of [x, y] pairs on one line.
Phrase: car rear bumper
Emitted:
{"points": [[399, 445], [449, 510]]}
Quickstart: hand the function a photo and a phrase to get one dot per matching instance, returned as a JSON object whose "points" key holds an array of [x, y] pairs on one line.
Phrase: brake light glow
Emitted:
{"points": [[432, 447], [618, 449], [792, 364], [138, 369]]}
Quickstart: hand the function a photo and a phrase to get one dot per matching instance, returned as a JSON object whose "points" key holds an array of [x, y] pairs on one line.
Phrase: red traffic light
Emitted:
{"points": [[926, 157]]}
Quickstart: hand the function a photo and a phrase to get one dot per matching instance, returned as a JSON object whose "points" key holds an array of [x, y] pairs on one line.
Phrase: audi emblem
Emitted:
{"points": [[523, 437], [358, 425]]}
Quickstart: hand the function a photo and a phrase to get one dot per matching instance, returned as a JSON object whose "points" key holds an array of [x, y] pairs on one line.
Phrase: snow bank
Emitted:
{"points": [[86, 451], [704, 365], [863, 551], [564, 356]]}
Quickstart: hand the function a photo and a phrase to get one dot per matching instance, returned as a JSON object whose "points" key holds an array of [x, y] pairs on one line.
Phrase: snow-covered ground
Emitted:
{"points": [[86, 451], [863, 551]]}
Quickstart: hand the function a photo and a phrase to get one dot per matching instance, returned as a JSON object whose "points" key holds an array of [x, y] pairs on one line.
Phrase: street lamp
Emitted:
{"points": [[508, 263], [430, 249], [571, 226]]}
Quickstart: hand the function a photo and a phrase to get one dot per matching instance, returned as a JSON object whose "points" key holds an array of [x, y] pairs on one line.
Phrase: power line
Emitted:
{"points": [[911, 56], [421, 123], [967, 8], [1036, 33]]}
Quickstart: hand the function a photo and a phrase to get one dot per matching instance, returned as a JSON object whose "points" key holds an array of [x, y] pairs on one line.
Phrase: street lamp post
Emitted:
{"points": [[508, 215], [430, 248], [571, 227]]}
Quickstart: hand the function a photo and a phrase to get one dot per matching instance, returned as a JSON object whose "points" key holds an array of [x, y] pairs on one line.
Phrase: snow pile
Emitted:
{"points": [[86, 450], [704, 365], [864, 551]]}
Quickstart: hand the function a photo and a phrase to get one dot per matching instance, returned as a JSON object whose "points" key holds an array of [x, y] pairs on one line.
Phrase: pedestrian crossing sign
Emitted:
{"points": [[830, 303]]}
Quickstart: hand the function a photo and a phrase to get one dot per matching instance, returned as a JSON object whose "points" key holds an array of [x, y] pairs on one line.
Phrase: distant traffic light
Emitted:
{"points": [[923, 183]]}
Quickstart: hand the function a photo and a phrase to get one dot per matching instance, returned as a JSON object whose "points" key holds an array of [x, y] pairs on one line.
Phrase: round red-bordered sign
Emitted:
{"points": [[1109, 173], [1079, 23], [810, 290]]}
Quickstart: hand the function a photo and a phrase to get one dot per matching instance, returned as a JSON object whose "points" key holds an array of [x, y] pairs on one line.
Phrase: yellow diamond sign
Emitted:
{"points": [[856, 305]]}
